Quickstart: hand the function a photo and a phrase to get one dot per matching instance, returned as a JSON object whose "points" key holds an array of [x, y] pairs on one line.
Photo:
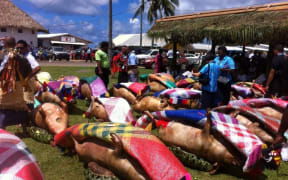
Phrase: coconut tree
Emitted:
{"points": [[157, 9]]}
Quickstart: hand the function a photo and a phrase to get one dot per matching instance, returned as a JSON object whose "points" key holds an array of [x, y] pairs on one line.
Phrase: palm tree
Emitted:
{"points": [[157, 9]]}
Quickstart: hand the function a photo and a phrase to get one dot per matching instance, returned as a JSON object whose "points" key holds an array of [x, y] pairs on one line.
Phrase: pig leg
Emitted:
{"points": [[283, 127], [99, 170]]}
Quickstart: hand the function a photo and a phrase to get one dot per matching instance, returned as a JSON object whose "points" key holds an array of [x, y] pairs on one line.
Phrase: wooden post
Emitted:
{"points": [[110, 31], [141, 23], [213, 47]]}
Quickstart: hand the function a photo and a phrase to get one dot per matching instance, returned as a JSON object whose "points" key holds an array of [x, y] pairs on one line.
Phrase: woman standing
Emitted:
{"points": [[159, 65]]}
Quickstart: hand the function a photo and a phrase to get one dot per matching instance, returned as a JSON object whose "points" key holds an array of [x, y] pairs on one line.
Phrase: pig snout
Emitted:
{"points": [[98, 111]]}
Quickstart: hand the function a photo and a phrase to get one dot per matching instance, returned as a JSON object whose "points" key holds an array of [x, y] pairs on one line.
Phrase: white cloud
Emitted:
{"points": [[134, 21], [40, 19], [81, 7], [189, 6]]}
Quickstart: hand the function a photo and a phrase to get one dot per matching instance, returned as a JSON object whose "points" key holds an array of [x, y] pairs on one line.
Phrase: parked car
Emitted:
{"points": [[150, 63], [193, 59], [58, 53], [148, 55]]}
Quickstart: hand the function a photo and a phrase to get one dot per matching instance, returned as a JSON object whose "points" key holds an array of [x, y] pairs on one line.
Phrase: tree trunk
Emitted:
{"points": [[110, 31], [213, 47]]}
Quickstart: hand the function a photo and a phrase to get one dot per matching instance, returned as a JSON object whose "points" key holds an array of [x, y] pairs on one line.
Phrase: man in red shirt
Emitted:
{"points": [[122, 60]]}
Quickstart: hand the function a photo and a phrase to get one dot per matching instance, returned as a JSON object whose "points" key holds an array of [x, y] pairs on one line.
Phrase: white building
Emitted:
{"points": [[133, 40], [15, 22], [66, 40]]}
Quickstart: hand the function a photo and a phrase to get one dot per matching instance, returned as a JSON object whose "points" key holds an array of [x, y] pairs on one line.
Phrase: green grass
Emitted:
{"points": [[56, 166]]}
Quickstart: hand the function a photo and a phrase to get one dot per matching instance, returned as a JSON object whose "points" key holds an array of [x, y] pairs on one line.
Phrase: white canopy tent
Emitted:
{"points": [[134, 41]]}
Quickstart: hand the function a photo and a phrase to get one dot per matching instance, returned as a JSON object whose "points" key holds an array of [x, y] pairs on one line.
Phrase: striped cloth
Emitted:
{"points": [[184, 83], [180, 96], [261, 102], [118, 110], [157, 161], [16, 161], [270, 123], [230, 128], [138, 89], [241, 91]]}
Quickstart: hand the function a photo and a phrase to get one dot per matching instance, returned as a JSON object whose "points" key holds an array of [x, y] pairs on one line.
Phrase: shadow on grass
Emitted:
{"points": [[238, 173], [74, 110]]}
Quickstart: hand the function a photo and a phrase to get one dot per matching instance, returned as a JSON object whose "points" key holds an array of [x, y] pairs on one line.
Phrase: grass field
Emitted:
{"points": [[56, 166]]}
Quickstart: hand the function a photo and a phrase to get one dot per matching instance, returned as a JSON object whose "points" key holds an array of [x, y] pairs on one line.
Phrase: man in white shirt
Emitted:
{"points": [[29, 91], [132, 66]]}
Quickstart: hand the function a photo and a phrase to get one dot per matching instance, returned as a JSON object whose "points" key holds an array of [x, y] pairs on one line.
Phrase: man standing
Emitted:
{"points": [[132, 66], [103, 65], [122, 60], [13, 109], [227, 66], [22, 46], [278, 77], [211, 72]]}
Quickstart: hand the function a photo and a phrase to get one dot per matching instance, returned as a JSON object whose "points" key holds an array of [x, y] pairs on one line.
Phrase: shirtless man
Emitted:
{"points": [[52, 114]]}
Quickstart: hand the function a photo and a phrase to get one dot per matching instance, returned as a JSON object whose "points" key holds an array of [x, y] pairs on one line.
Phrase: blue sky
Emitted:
{"points": [[89, 18]]}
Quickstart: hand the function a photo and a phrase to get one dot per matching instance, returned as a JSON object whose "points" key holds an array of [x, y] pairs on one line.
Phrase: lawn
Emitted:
{"points": [[56, 166]]}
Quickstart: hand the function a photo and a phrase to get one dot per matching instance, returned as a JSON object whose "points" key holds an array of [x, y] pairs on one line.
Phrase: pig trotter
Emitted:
{"points": [[216, 167], [118, 144], [99, 170]]}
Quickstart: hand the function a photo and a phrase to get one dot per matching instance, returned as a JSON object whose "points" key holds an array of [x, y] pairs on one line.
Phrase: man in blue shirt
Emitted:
{"points": [[227, 66], [209, 91], [132, 66]]}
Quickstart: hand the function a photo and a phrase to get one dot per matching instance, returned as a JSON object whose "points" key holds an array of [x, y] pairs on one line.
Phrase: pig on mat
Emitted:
{"points": [[131, 91], [231, 142], [112, 109], [118, 149], [160, 81], [92, 86]]}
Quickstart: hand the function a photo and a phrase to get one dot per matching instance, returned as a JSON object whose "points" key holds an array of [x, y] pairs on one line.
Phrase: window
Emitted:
{"points": [[33, 32], [3, 30], [20, 30]]}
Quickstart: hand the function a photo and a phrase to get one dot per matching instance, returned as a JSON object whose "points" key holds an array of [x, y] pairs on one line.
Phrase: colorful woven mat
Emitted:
{"points": [[17, 162]]}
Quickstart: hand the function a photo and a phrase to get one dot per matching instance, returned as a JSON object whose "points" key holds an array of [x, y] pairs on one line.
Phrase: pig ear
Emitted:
{"points": [[117, 143], [207, 127]]}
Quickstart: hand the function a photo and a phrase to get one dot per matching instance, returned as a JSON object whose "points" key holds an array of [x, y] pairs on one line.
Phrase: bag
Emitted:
{"points": [[206, 80], [223, 80]]}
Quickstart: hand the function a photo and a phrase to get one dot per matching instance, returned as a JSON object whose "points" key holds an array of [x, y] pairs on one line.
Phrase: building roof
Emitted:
{"points": [[49, 36], [69, 43], [12, 16], [247, 25], [134, 40]]}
